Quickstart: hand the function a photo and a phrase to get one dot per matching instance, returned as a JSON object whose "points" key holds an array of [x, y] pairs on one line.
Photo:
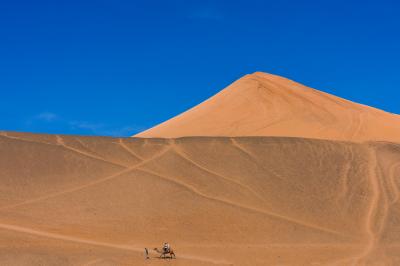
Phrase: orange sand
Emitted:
{"points": [[261, 104], [254, 200]]}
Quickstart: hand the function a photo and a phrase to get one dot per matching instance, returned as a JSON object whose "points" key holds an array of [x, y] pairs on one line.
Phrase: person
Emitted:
{"points": [[166, 247]]}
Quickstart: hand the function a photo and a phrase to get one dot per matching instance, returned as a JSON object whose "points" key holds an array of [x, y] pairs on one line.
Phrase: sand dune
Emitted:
{"points": [[266, 172], [261, 104], [69, 200]]}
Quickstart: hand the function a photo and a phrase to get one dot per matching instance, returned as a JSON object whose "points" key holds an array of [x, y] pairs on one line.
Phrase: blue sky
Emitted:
{"points": [[118, 67]]}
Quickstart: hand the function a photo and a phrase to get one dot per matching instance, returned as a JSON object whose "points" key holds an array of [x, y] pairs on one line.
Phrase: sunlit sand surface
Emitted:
{"points": [[267, 172], [70, 200]]}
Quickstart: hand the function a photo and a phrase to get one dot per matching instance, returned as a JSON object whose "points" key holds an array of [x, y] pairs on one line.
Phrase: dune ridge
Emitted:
{"points": [[262, 104]]}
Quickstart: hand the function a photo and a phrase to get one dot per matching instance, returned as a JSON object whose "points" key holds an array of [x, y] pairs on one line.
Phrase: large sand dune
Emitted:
{"points": [[68, 200], [261, 104], [266, 172]]}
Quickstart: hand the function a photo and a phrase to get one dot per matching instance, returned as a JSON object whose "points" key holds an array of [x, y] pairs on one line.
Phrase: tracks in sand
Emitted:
{"points": [[30, 231], [377, 210]]}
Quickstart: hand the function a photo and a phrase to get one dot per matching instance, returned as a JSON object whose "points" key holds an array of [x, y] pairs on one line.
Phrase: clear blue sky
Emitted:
{"points": [[117, 67]]}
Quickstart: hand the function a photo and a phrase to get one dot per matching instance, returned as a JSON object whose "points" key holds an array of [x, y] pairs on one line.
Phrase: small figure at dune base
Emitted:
{"points": [[166, 250]]}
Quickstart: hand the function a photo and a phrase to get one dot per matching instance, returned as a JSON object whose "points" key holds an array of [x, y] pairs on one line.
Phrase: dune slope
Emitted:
{"points": [[261, 104], [69, 200]]}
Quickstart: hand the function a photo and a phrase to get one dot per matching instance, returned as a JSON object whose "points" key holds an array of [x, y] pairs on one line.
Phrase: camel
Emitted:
{"points": [[164, 253]]}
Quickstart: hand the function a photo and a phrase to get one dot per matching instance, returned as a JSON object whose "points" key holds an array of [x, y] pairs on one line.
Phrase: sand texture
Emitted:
{"points": [[262, 104], [68, 200]]}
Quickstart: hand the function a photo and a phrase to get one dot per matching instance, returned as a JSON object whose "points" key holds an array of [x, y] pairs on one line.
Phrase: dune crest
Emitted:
{"points": [[262, 104]]}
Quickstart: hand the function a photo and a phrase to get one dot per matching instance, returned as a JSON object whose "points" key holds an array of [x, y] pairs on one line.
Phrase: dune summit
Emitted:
{"points": [[312, 180], [262, 104]]}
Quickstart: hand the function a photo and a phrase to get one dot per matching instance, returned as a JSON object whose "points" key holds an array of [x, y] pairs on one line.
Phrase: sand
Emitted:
{"points": [[262, 104], [267, 172], [69, 200]]}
